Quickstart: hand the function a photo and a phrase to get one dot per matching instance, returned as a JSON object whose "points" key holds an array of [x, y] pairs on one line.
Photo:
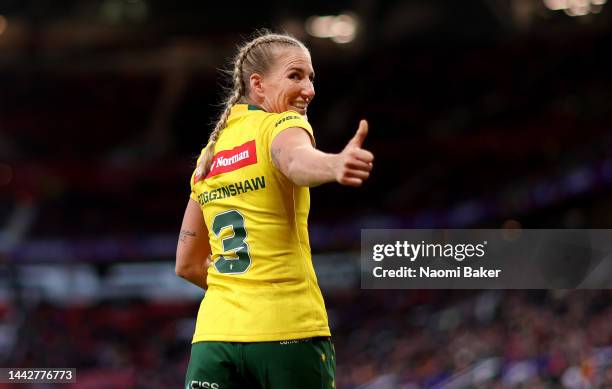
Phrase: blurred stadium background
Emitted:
{"points": [[488, 113]]}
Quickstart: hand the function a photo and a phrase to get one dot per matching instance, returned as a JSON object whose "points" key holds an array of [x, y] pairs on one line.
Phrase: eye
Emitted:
{"points": [[294, 76]]}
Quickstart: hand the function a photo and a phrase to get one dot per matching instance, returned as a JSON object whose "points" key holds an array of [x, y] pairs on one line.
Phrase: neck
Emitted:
{"points": [[253, 100]]}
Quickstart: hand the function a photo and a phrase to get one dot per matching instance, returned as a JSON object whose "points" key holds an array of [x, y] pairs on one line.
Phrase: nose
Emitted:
{"points": [[308, 91]]}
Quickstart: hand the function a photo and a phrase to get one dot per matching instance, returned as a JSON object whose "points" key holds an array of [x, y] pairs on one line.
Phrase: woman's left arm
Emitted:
{"points": [[193, 248]]}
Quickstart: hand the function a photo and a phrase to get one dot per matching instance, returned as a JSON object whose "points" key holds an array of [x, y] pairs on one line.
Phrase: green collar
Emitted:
{"points": [[254, 108]]}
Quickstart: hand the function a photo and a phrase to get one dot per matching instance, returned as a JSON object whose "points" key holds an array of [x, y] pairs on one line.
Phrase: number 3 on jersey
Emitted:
{"points": [[236, 243]]}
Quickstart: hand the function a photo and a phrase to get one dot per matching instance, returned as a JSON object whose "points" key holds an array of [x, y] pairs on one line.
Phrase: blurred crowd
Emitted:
{"points": [[491, 339], [383, 339], [482, 131]]}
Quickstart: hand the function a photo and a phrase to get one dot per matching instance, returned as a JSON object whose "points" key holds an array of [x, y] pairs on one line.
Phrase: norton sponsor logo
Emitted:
{"points": [[220, 161], [230, 160], [234, 159]]}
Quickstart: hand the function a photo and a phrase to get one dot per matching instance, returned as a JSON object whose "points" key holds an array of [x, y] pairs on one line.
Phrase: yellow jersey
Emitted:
{"points": [[261, 285]]}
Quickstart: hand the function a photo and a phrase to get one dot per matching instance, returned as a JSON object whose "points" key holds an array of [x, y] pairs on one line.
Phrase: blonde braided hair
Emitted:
{"points": [[256, 56]]}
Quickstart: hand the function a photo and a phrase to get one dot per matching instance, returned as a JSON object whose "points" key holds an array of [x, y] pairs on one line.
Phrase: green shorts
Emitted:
{"points": [[289, 364]]}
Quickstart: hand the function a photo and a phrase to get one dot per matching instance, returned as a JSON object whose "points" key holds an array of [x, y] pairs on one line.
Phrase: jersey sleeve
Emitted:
{"points": [[277, 123], [289, 119]]}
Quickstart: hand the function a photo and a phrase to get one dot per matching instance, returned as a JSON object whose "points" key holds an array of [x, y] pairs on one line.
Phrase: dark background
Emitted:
{"points": [[483, 114]]}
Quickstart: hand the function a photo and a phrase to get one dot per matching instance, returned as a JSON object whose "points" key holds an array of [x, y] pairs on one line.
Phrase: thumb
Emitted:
{"points": [[360, 135]]}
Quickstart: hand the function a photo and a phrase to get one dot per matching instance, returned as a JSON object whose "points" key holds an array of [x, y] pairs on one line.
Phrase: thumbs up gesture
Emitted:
{"points": [[354, 163]]}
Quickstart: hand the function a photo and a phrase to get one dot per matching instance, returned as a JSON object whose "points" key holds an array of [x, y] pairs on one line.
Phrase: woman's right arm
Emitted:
{"points": [[193, 248], [295, 156]]}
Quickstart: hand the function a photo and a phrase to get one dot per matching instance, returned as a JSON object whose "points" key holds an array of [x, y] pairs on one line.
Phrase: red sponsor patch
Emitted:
{"points": [[234, 159]]}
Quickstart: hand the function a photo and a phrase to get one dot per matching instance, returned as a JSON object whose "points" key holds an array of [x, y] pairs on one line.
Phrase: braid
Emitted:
{"points": [[239, 90]]}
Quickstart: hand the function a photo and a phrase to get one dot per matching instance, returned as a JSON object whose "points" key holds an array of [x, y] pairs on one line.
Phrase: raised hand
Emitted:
{"points": [[354, 163]]}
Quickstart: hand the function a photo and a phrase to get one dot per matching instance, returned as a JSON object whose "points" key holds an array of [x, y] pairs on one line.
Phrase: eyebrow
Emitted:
{"points": [[294, 69]]}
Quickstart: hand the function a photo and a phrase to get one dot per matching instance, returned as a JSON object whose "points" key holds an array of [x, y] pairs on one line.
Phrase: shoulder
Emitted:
{"points": [[198, 168], [201, 155], [280, 121], [288, 115], [282, 117]]}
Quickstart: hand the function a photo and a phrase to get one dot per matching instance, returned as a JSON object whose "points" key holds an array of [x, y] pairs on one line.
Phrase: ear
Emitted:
{"points": [[256, 84]]}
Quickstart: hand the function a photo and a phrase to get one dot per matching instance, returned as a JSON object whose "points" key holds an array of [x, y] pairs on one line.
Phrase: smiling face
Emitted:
{"points": [[288, 84]]}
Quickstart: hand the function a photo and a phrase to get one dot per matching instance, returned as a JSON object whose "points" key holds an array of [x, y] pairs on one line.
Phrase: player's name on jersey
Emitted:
{"points": [[233, 189]]}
